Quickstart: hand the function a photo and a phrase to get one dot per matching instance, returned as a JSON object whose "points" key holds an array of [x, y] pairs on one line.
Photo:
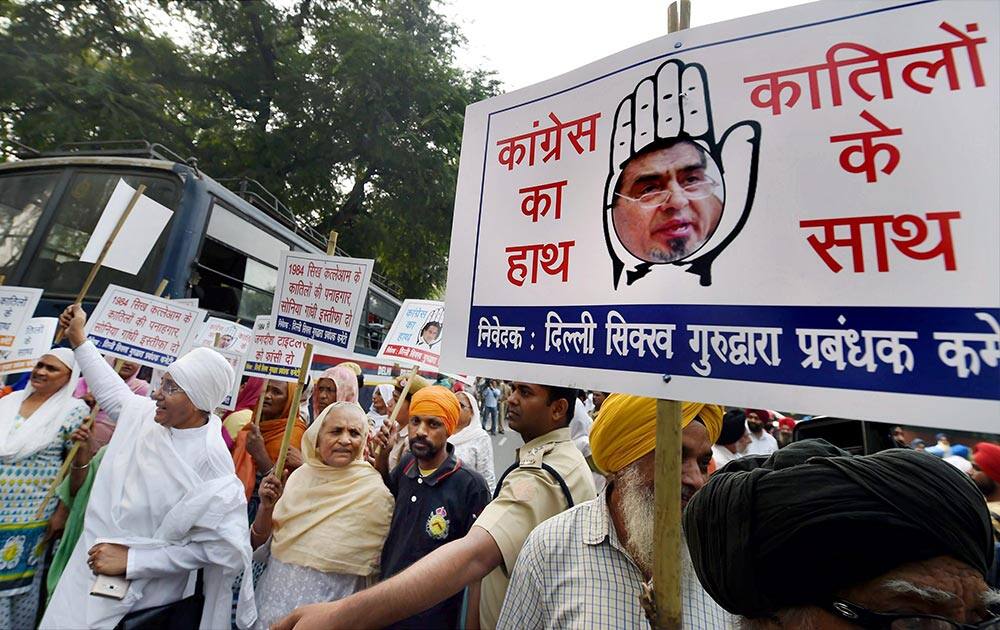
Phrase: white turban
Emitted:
{"points": [[65, 356], [205, 376]]}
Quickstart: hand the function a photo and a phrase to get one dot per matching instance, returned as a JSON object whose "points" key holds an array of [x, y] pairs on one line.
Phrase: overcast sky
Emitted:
{"points": [[527, 41]]}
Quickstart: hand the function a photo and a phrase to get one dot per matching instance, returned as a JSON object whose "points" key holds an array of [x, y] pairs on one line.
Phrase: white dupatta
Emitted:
{"points": [[42, 428]]}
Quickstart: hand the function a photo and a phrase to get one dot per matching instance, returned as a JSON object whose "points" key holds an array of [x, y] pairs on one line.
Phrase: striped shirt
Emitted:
{"points": [[574, 573]]}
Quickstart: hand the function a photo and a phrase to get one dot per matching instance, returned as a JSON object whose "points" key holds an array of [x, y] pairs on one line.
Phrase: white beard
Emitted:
{"points": [[638, 508]]}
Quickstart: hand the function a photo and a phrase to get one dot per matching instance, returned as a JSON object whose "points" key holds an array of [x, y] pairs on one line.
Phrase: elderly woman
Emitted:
{"points": [[326, 530], [381, 404], [471, 441], [337, 384], [35, 428]]}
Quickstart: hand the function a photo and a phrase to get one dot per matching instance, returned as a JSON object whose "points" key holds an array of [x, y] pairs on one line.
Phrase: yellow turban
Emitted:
{"points": [[625, 428], [352, 366]]}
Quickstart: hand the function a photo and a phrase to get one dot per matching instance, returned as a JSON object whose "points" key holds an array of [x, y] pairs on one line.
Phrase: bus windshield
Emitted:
{"points": [[56, 267]]}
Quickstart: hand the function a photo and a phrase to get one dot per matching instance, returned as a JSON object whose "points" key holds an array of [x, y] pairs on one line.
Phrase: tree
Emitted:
{"points": [[351, 111]]}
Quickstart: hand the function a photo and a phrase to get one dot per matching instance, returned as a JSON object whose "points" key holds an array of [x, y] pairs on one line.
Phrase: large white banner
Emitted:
{"points": [[17, 305], [143, 328], [320, 298], [416, 334], [795, 210]]}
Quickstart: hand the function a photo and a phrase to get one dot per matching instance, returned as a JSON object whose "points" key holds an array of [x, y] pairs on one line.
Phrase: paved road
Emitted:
{"points": [[504, 447]]}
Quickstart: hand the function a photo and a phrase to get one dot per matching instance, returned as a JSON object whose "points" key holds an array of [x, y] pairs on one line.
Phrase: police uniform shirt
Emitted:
{"points": [[430, 512], [529, 495]]}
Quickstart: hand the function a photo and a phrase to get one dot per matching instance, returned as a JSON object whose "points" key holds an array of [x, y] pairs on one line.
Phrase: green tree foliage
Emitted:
{"points": [[351, 111]]}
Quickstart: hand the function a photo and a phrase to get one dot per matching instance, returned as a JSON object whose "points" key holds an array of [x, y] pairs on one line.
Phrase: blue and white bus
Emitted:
{"points": [[221, 245]]}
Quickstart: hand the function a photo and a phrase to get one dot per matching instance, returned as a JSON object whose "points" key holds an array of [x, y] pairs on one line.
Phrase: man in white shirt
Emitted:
{"points": [[165, 502], [761, 441], [733, 440]]}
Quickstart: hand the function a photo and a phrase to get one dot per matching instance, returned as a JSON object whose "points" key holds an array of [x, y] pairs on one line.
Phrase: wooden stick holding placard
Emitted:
{"points": [[104, 252], [395, 403], [293, 412], [663, 606], [89, 422]]}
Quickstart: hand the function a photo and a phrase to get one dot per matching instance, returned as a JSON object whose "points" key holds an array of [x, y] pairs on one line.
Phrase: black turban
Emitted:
{"points": [[734, 425], [794, 528]]}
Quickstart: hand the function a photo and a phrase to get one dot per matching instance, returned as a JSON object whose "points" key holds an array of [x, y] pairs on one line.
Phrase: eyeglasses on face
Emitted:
{"points": [[169, 388], [694, 187], [865, 618]]}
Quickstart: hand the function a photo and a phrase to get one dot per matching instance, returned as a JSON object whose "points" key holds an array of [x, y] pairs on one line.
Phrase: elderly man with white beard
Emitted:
{"points": [[586, 567], [165, 504]]}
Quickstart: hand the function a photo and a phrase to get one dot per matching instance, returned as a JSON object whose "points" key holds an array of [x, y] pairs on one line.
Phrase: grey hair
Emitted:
{"points": [[927, 593], [991, 597]]}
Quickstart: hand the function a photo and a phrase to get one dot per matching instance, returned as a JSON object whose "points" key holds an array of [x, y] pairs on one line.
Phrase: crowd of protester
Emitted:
{"points": [[393, 516]]}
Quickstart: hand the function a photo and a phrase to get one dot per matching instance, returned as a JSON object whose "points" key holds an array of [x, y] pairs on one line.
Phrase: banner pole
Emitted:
{"points": [[89, 422], [663, 606], [293, 412], [104, 252]]}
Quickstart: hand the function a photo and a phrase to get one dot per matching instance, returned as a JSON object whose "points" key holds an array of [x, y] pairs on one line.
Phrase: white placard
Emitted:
{"points": [[143, 328], [274, 355], [34, 341], [138, 235], [320, 298], [416, 334], [232, 336], [17, 304], [796, 210]]}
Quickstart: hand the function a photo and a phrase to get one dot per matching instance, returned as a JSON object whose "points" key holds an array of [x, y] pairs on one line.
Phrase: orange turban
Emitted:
{"points": [[439, 402], [625, 428]]}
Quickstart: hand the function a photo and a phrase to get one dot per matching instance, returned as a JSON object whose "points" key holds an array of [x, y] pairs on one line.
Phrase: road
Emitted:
{"points": [[505, 446]]}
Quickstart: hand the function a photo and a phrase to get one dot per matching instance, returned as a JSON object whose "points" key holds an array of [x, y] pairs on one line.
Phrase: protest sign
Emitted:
{"points": [[320, 298], [143, 328], [780, 211], [273, 354], [138, 234], [416, 333], [17, 305], [34, 341], [232, 336]]}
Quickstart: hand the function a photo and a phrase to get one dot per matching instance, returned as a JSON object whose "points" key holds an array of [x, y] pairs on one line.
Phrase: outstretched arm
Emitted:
{"points": [[430, 580]]}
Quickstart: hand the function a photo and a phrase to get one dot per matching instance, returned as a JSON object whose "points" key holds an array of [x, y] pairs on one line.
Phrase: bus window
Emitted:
{"points": [[22, 199], [57, 267], [231, 283], [378, 317]]}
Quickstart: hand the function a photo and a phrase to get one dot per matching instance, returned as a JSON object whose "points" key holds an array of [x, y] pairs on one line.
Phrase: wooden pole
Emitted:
{"points": [[667, 612], [331, 244], [667, 534], [104, 252], [89, 422], [293, 412]]}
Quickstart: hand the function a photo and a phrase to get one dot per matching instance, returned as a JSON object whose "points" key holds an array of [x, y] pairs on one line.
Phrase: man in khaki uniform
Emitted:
{"points": [[549, 477]]}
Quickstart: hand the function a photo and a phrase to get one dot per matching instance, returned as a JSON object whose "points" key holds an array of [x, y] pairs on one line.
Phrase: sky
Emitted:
{"points": [[527, 41]]}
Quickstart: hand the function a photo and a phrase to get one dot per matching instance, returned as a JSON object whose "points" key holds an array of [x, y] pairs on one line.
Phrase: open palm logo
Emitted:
{"points": [[675, 194]]}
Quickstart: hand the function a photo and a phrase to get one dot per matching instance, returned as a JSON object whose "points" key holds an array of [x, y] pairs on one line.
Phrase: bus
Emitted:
{"points": [[221, 244]]}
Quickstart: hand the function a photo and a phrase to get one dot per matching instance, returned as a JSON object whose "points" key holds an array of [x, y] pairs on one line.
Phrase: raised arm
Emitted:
{"points": [[108, 389]]}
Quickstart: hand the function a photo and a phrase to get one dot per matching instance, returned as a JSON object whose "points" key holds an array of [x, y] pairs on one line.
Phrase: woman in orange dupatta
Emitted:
{"points": [[257, 446]]}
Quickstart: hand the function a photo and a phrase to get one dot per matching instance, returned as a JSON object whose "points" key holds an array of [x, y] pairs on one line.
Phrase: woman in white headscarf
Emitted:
{"points": [[325, 531], [35, 428], [381, 404], [471, 441]]}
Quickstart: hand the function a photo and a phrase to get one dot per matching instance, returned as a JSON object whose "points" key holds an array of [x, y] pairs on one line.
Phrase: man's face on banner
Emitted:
{"points": [[667, 203]]}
